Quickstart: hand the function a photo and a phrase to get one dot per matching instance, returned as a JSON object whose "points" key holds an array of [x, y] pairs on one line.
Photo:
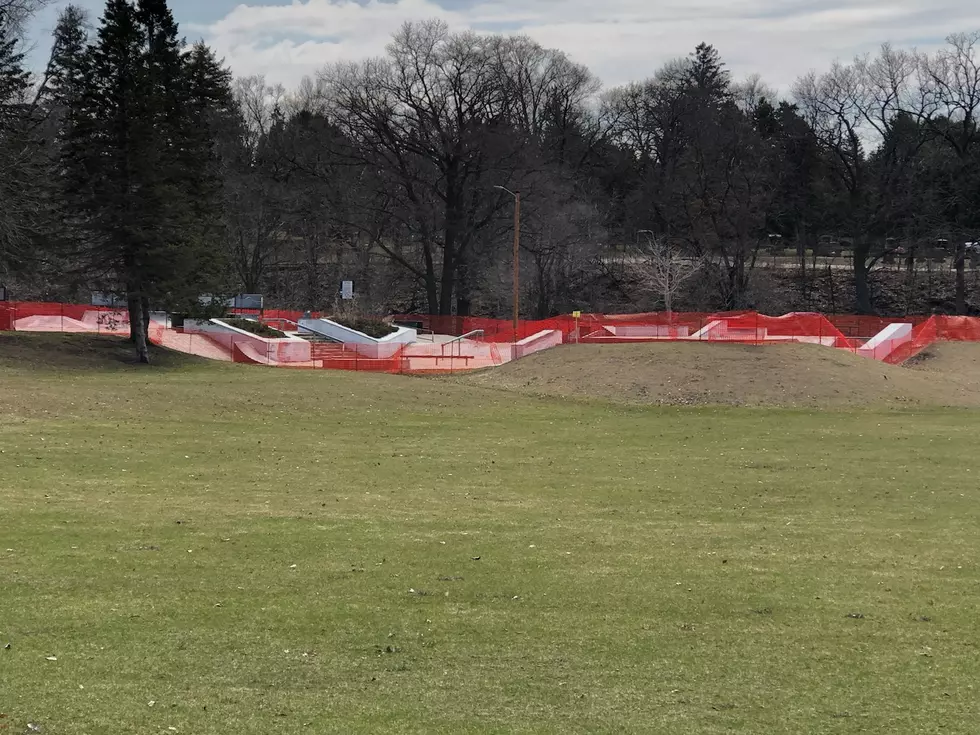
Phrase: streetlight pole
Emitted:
{"points": [[517, 255]]}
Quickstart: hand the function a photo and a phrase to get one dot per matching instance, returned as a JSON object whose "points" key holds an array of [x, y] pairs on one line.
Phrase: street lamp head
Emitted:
{"points": [[504, 188]]}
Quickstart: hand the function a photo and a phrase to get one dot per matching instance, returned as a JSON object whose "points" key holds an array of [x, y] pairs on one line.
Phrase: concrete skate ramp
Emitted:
{"points": [[51, 324], [680, 373]]}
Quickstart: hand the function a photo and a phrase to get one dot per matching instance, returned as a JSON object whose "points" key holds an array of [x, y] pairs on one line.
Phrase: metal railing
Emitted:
{"points": [[300, 327], [459, 340]]}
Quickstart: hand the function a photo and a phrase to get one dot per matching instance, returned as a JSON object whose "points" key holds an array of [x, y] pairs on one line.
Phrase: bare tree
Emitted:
{"points": [[751, 91], [661, 268], [719, 196], [19, 12], [436, 124], [258, 103], [950, 84], [860, 107]]}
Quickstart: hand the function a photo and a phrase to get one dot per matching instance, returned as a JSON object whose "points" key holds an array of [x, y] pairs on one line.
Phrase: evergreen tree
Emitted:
{"points": [[102, 160], [16, 210], [65, 73], [160, 119], [707, 76], [140, 166], [210, 135], [60, 90], [14, 79]]}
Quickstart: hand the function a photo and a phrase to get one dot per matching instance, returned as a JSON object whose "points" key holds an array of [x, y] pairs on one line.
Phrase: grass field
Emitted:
{"points": [[225, 549]]}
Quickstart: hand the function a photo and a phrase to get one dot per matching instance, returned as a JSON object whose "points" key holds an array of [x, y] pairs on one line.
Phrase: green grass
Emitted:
{"points": [[237, 547]]}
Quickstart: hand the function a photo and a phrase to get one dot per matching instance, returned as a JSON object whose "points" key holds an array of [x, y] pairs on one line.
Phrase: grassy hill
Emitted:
{"points": [[691, 373], [20, 351]]}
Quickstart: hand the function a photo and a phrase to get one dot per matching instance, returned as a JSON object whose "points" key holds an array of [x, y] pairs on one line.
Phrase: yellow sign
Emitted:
{"points": [[576, 314]]}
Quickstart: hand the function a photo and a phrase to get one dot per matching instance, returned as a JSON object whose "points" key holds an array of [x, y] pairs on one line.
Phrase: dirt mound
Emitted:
{"points": [[956, 360], [33, 351], [679, 373]]}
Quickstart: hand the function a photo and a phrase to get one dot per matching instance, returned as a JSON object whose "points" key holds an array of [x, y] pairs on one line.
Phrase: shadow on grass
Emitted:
{"points": [[37, 351]]}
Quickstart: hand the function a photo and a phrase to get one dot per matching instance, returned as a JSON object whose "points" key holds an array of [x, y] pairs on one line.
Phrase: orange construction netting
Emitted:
{"points": [[748, 327], [492, 342], [937, 329]]}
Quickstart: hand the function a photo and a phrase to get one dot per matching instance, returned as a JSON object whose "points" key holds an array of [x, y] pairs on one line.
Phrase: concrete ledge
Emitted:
{"points": [[371, 347], [543, 340], [711, 330], [886, 341], [278, 349], [658, 330]]}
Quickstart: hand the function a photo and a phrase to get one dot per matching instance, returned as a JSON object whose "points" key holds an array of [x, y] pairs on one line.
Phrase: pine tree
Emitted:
{"points": [[210, 127], [60, 89], [140, 159], [65, 73], [160, 116], [14, 79], [706, 74], [105, 161], [16, 184]]}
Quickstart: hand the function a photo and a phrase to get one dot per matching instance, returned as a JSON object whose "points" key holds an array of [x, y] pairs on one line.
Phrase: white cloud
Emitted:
{"points": [[620, 40]]}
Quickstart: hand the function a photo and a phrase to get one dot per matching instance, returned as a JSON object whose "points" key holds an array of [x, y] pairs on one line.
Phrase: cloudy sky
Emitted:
{"points": [[620, 40]]}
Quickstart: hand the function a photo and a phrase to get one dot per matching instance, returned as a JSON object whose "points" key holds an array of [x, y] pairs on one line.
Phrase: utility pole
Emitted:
{"points": [[517, 256]]}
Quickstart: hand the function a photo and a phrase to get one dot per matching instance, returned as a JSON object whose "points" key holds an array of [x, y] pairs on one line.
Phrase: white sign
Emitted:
{"points": [[247, 301], [101, 298], [347, 290]]}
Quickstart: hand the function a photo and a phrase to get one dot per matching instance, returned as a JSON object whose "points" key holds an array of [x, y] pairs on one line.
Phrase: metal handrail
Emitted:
{"points": [[315, 331], [458, 340], [474, 333]]}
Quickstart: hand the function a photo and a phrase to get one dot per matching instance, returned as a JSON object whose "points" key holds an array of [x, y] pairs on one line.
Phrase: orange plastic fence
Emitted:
{"points": [[41, 316], [861, 328], [737, 327], [498, 341], [937, 329]]}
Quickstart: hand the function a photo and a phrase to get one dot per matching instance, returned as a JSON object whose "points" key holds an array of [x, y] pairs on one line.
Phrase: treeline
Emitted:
{"points": [[137, 164]]}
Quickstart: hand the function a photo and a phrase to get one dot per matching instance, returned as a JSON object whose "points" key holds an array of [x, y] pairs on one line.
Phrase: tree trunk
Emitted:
{"points": [[450, 242], [312, 272], [960, 278], [736, 285], [463, 303], [541, 297], [145, 307], [448, 280], [801, 253], [431, 282], [432, 293], [862, 290], [831, 289], [137, 329]]}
